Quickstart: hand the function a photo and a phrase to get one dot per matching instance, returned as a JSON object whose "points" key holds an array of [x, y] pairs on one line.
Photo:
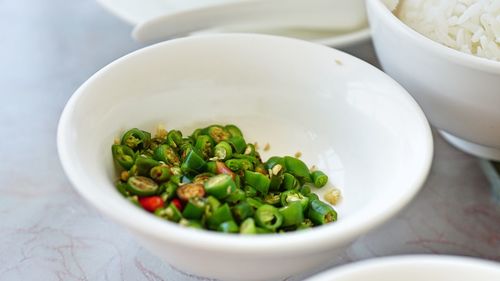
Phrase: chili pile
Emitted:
{"points": [[213, 179]]}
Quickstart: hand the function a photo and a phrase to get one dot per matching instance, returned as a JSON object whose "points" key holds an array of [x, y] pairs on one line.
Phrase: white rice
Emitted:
{"points": [[470, 26]]}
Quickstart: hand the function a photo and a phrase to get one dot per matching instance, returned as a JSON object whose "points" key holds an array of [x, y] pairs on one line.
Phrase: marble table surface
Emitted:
{"points": [[47, 232]]}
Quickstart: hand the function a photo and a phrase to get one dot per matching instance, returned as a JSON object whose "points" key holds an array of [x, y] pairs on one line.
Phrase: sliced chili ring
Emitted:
{"points": [[141, 186], [218, 134], [190, 190]]}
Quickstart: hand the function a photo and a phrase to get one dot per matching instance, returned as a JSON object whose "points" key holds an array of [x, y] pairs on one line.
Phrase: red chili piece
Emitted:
{"points": [[177, 204], [223, 169], [151, 203]]}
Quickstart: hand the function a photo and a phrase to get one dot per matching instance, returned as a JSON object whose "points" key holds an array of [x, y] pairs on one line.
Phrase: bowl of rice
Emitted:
{"points": [[446, 53]]}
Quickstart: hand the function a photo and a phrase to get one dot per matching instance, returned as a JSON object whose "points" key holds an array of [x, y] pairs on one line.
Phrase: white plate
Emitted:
{"points": [[136, 11], [415, 268]]}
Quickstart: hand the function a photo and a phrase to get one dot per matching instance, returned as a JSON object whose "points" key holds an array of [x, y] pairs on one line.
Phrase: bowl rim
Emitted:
{"points": [[345, 271], [445, 52], [142, 222]]}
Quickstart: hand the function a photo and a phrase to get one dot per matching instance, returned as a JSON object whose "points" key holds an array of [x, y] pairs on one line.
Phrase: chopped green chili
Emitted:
{"points": [[213, 179], [228, 227], [272, 199], [177, 179], [223, 151], [193, 162], [136, 139], [166, 154], [242, 211], [218, 134], [271, 162], [248, 226], [233, 130], [305, 190], [220, 186], [250, 191], [313, 196], [237, 165], [321, 213], [168, 190], [236, 196], [260, 168], [319, 178], [261, 230], [238, 144], [191, 223], [160, 173], [196, 133], [190, 190], [255, 202], [141, 186], [123, 155], [220, 215], [268, 217], [276, 174], [205, 145], [293, 214], [252, 159], [202, 178], [122, 188], [144, 165], [250, 150], [290, 196], [258, 181], [154, 143], [174, 138], [212, 205], [211, 167], [307, 223], [289, 182], [296, 167], [184, 150], [170, 213], [194, 208]]}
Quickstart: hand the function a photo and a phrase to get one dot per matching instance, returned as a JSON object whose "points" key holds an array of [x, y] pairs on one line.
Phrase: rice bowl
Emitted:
{"points": [[470, 26], [458, 91]]}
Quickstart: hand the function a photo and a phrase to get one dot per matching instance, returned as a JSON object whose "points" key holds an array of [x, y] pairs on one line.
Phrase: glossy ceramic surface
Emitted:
{"points": [[344, 115], [458, 92], [415, 268]]}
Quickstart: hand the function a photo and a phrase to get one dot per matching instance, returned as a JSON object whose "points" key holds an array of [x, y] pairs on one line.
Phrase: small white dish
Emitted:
{"points": [[136, 12], [459, 92], [314, 15], [345, 116], [415, 268]]}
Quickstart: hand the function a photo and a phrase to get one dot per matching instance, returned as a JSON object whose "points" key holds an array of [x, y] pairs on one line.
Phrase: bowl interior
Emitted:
{"points": [[344, 116]]}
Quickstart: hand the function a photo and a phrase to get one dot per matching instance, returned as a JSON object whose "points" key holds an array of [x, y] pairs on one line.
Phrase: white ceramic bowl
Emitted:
{"points": [[344, 115], [459, 93], [136, 12], [415, 268], [320, 15]]}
